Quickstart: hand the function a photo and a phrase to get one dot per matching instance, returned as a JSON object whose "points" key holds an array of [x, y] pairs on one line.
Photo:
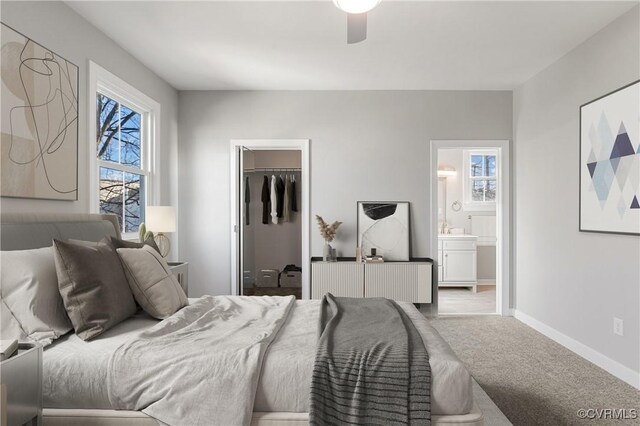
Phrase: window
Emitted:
{"points": [[125, 128], [119, 152], [480, 179]]}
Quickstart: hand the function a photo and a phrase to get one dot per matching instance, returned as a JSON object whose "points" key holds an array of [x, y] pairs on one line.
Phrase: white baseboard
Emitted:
{"points": [[613, 367]]}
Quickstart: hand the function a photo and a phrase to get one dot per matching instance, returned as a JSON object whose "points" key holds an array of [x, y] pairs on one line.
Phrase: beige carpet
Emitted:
{"points": [[532, 379]]}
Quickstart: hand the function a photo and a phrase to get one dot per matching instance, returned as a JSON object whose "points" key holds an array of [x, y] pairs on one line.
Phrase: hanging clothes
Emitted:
{"points": [[274, 201], [294, 197], [287, 199], [247, 200], [280, 194], [266, 200]]}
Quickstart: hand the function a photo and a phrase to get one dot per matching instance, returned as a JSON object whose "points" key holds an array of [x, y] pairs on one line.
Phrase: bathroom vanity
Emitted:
{"points": [[457, 261]]}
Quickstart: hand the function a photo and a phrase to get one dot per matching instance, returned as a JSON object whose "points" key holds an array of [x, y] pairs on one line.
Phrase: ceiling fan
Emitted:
{"points": [[356, 17]]}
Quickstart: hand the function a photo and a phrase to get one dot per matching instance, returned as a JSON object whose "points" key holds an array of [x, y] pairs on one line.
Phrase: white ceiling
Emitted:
{"points": [[292, 45]]}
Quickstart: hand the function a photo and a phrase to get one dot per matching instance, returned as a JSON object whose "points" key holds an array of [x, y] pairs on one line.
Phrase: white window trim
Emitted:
{"points": [[101, 80], [467, 203]]}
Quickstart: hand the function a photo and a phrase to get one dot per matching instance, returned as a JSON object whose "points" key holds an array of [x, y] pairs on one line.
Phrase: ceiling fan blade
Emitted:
{"points": [[356, 27]]}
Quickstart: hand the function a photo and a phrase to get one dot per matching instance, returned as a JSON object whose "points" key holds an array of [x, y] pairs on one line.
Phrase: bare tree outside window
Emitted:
{"points": [[483, 178], [118, 141]]}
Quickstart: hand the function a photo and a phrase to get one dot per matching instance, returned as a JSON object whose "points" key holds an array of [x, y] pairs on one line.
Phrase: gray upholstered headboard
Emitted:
{"points": [[30, 231]]}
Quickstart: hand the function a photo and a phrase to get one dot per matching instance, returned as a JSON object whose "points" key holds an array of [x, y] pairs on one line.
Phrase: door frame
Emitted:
{"points": [[301, 145], [503, 211]]}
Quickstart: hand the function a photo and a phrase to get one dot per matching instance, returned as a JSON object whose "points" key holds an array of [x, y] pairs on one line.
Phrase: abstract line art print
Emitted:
{"points": [[610, 162], [39, 121], [385, 227]]}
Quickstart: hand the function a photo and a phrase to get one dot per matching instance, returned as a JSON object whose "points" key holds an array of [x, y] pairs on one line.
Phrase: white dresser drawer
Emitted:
{"points": [[459, 244]]}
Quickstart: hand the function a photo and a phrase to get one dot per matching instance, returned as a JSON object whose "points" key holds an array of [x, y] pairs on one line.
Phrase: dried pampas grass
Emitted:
{"points": [[327, 231]]}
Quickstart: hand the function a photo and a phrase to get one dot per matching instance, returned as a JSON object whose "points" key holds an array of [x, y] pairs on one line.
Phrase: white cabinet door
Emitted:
{"points": [[459, 265]]}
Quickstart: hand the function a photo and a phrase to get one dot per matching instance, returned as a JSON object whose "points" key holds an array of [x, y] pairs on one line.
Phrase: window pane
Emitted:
{"points": [[134, 201], [111, 189], [129, 137], [490, 194], [477, 190], [490, 165], [107, 128], [476, 165]]}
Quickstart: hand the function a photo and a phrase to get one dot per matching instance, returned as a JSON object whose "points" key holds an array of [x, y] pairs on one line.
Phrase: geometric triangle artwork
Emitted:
{"points": [[622, 207], [614, 163], [602, 179], [623, 169], [605, 137], [634, 203], [622, 145], [592, 168]]}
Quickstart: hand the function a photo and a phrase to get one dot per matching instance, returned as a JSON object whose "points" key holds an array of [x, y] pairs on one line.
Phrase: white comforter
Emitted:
{"points": [[75, 371], [200, 366]]}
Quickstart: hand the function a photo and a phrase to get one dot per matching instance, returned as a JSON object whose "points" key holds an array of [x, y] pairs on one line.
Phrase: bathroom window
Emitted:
{"points": [[480, 180]]}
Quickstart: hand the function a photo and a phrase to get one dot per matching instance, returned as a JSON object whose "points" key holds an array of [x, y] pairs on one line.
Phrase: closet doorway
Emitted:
{"points": [[270, 212]]}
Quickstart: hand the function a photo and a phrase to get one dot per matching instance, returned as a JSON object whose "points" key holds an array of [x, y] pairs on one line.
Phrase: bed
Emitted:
{"points": [[75, 370]]}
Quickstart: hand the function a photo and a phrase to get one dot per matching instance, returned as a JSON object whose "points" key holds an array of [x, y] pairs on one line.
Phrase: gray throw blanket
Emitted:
{"points": [[371, 366]]}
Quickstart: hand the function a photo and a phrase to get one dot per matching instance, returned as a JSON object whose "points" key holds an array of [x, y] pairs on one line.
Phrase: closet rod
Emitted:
{"points": [[275, 169]]}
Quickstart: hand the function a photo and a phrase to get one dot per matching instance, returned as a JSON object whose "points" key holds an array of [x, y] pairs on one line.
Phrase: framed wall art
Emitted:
{"points": [[384, 225], [39, 126], [610, 162]]}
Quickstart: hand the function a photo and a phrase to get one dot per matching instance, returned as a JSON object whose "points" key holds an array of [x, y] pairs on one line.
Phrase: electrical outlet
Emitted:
{"points": [[618, 326]]}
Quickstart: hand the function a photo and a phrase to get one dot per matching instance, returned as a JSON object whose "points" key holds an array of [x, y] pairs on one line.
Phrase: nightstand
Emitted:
{"points": [[181, 271], [21, 388]]}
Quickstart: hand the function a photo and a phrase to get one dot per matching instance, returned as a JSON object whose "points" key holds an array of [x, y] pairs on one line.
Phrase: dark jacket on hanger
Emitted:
{"points": [[280, 193], [266, 200], [294, 197], [247, 199]]}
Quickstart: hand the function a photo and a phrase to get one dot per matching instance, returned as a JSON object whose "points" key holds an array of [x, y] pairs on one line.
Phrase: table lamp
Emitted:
{"points": [[161, 219]]}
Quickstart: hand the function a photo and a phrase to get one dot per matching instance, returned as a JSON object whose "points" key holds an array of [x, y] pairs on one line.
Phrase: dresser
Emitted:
{"points": [[457, 261], [400, 281]]}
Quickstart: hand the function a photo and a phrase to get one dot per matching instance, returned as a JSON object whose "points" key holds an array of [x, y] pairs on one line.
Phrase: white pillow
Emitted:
{"points": [[31, 306], [152, 283]]}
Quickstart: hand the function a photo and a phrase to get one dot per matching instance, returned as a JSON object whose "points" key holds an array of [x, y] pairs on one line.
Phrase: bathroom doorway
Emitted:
{"points": [[469, 215]]}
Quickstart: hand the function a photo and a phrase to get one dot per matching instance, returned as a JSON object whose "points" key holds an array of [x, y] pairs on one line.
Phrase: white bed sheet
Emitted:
{"points": [[75, 371]]}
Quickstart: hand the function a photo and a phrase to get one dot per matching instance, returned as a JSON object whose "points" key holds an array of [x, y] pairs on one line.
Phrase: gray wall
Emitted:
{"points": [[365, 145], [57, 27], [571, 281]]}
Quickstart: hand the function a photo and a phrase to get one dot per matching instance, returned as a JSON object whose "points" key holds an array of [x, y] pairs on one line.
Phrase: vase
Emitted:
{"points": [[326, 252]]}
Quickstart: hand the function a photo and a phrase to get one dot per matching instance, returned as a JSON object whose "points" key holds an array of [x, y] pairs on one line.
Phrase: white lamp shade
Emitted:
{"points": [[356, 6], [160, 219], [445, 170]]}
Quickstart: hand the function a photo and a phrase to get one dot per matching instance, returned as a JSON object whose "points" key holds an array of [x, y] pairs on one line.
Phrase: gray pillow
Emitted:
{"points": [[31, 307], [93, 287], [153, 284]]}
